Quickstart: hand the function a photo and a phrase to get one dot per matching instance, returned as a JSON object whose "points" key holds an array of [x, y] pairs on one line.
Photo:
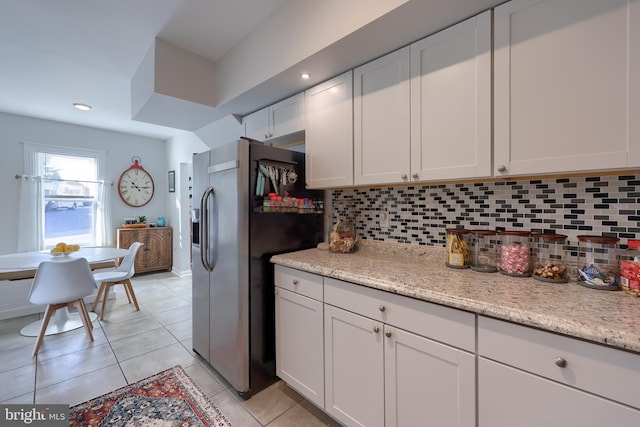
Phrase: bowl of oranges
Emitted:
{"points": [[62, 249]]}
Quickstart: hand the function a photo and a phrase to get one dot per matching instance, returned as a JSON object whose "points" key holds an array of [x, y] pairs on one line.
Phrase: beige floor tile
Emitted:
{"points": [[17, 382], [156, 361], [15, 340], [169, 303], [9, 326], [271, 402], [204, 379], [233, 410], [303, 414], [181, 330], [174, 315], [126, 328], [52, 371], [84, 387], [16, 358], [70, 342], [145, 342]]}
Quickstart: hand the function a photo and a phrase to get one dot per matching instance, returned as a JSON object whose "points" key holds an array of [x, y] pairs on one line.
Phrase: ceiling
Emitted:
{"points": [[55, 53]]}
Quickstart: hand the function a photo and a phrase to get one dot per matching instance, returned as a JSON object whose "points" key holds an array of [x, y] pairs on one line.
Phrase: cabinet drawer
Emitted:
{"points": [[611, 373], [444, 324], [301, 282]]}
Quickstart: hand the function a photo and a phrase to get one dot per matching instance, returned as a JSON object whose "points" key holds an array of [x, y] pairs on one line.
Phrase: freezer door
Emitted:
{"points": [[229, 278], [199, 274]]}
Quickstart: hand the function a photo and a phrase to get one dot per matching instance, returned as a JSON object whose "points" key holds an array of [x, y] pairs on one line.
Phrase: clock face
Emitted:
{"points": [[135, 187]]}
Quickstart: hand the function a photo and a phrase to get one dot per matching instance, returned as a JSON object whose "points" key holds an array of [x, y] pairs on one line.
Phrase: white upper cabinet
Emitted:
{"points": [[381, 120], [566, 94], [280, 119], [329, 133], [451, 102]]}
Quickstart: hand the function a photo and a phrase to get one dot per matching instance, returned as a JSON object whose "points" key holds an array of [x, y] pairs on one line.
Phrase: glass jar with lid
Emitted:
{"points": [[549, 258], [630, 269], [458, 254], [515, 259], [598, 262], [484, 246]]}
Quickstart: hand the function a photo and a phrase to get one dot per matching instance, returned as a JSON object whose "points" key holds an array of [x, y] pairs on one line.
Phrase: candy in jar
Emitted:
{"points": [[514, 253], [549, 258]]}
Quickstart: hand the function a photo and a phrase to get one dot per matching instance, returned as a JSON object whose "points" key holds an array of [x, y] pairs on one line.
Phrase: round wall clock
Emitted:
{"points": [[135, 185]]}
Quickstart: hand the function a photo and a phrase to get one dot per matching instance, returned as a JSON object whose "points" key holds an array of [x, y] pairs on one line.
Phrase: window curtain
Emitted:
{"points": [[30, 215], [103, 215]]}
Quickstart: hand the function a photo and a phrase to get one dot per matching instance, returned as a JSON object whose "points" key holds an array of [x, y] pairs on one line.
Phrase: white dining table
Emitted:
{"points": [[62, 320]]}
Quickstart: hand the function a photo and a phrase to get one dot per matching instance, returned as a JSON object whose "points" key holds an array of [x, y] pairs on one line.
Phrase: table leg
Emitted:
{"points": [[61, 321]]}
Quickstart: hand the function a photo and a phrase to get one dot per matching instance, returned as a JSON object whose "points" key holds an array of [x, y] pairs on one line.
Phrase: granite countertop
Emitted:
{"points": [[606, 317]]}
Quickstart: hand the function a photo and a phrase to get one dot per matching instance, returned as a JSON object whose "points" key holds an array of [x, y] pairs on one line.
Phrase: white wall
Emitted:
{"points": [[120, 148]]}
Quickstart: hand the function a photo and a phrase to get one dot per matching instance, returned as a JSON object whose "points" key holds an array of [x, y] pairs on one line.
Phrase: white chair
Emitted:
{"points": [[61, 284], [120, 275]]}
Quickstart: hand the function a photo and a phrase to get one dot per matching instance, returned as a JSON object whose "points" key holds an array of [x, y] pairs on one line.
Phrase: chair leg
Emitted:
{"points": [[126, 290], [43, 328], [129, 287], [107, 286], [84, 315], [97, 300]]}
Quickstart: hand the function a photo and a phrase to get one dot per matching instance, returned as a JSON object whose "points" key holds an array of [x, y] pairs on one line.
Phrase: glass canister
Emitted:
{"points": [[342, 238], [458, 254], [598, 262], [549, 258], [630, 269], [515, 258], [484, 245]]}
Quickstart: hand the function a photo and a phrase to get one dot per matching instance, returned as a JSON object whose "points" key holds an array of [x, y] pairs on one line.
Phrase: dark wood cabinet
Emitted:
{"points": [[156, 252]]}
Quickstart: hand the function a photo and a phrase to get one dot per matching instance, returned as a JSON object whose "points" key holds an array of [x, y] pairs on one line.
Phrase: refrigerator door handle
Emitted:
{"points": [[204, 229]]}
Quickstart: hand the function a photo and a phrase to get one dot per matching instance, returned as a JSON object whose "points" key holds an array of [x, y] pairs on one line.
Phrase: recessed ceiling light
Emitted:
{"points": [[305, 76], [83, 107]]}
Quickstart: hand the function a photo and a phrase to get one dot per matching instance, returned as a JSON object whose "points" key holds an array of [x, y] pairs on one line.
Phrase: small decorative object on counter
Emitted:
{"points": [[630, 269], [342, 238], [598, 262], [549, 259], [161, 222], [484, 250], [458, 253], [515, 259]]}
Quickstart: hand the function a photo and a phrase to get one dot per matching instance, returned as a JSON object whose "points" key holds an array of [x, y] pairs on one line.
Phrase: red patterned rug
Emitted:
{"points": [[169, 398]]}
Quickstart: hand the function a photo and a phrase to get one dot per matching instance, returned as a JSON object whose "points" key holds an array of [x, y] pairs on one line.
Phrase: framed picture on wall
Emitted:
{"points": [[172, 181]]}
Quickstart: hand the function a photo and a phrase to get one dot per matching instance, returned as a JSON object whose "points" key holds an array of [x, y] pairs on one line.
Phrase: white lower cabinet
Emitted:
{"points": [[299, 332], [532, 378], [379, 373]]}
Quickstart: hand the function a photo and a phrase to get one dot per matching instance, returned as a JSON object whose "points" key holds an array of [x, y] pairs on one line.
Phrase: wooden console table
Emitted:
{"points": [[156, 253]]}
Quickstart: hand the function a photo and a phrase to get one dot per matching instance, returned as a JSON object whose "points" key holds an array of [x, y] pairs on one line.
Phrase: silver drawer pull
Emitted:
{"points": [[561, 362], [295, 281], [382, 308], [376, 329], [388, 334]]}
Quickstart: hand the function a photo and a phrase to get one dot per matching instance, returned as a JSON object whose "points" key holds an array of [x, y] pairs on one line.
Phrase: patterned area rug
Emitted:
{"points": [[169, 398]]}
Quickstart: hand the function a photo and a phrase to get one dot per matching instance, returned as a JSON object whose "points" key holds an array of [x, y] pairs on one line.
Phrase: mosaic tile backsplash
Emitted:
{"points": [[607, 205]]}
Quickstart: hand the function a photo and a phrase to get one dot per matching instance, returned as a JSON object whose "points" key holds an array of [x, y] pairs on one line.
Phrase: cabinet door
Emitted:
{"points": [[381, 121], [158, 250], [451, 102], [329, 133], [300, 344], [566, 86], [354, 379], [287, 116], [256, 125], [509, 397], [427, 383]]}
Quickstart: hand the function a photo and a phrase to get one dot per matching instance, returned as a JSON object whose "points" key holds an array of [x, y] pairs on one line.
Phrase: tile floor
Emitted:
{"points": [[129, 346]]}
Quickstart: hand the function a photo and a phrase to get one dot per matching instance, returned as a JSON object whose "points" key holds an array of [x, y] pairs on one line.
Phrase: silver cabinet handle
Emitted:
{"points": [[295, 281], [415, 175], [403, 176], [388, 334], [561, 362], [376, 329], [502, 168], [382, 308]]}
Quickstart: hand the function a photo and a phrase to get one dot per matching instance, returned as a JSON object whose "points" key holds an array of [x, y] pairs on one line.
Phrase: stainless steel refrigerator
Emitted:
{"points": [[250, 203]]}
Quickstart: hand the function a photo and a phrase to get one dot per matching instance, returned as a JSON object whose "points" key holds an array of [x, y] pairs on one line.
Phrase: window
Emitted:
{"points": [[72, 206]]}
